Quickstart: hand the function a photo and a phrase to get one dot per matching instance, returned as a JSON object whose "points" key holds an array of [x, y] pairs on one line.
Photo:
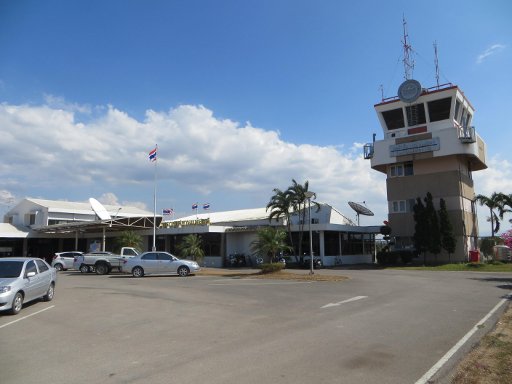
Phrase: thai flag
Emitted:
{"points": [[168, 211], [194, 206], [152, 155], [206, 206]]}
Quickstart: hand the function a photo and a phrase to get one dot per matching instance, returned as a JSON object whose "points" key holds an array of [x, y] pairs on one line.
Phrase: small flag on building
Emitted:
{"points": [[194, 206], [168, 211], [206, 206], [152, 155]]}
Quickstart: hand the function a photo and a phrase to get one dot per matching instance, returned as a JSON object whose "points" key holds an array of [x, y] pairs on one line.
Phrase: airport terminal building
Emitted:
{"points": [[39, 228]]}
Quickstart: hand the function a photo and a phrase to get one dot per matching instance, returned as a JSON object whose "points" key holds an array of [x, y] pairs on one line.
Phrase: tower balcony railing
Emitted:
{"points": [[467, 135], [368, 151]]}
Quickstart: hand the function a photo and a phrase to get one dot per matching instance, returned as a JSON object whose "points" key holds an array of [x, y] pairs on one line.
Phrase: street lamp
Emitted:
{"points": [[309, 195]]}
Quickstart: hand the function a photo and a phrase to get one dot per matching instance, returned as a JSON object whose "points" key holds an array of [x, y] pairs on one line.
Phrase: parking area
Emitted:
{"points": [[376, 327]]}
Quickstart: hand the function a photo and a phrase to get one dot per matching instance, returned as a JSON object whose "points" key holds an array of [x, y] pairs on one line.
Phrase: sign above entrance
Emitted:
{"points": [[418, 146], [185, 223]]}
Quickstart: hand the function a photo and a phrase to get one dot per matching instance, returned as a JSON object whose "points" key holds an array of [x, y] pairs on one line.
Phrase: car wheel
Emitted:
{"points": [[101, 269], [58, 267], [137, 272], [17, 303], [49, 293], [84, 268], [183, 271]]}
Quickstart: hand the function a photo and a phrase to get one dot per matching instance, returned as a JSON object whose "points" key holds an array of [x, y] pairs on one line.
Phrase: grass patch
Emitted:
{"points": [[490, 362], [470, 267]]}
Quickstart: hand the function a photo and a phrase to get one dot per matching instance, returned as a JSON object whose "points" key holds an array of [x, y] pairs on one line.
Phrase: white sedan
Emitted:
{"points": [[24, 279], [159, 263]]}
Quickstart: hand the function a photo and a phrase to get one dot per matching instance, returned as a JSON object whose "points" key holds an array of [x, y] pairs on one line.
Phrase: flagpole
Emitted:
{"points": [[154, 204]]}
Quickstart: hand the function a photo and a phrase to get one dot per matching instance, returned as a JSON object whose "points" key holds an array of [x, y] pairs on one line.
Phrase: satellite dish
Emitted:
{"points": [[99, 209], [409, 91], [360, 210]]}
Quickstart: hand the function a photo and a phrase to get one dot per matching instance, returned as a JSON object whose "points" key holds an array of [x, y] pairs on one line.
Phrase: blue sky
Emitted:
{"points": [[241, 96]]}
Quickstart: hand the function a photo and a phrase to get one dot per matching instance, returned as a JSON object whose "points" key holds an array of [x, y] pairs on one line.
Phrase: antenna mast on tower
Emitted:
{"points": [[408, 60], [436, 62]]}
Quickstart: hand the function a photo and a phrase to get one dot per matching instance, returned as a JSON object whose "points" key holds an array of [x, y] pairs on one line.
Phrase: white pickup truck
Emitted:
{"points": [[103, 262]]}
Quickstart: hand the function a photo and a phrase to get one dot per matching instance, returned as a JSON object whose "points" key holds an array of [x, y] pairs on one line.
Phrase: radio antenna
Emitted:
{"points": [[408, 60], [436, 62]]}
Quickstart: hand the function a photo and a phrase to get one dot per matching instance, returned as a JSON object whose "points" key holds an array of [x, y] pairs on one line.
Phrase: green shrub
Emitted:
{"points": [[392, 257], [475, 265], [270, 268]]}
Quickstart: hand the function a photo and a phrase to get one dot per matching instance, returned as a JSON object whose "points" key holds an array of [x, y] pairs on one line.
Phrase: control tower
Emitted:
{"points": [[429, 145]]}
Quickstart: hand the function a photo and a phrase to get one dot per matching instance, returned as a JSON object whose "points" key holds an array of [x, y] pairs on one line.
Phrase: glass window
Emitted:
{"points": [[164, 256], [396, 170], [31, 267], [41, 265], [408, 169], [398, 206], [468, 120], [394, 119], [457, 110], [439, 109], [463, 116], [150, 256], [415, 114], [10, 268]]}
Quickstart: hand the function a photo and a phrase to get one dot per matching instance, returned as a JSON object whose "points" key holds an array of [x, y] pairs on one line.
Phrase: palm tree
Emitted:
{"points": [[299, 200], [270, 242], [281, 205], [129, 239], [507, 202], [192, 247], [494, 202]]}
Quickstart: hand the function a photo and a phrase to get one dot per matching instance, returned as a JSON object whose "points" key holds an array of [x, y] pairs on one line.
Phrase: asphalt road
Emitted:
{"points": [[377, 327]]}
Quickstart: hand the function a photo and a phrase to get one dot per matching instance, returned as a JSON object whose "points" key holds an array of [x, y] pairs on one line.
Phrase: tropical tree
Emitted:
{"points": [[420, 236], [434, 235], [448, 240], [300, 204], [507, 238], [495, 203], [129, 239], [191, 247], [281, 206], [506, 201], [270, 242]]}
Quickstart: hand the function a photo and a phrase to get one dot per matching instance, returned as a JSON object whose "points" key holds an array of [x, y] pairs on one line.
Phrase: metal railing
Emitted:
{"points": [[467, 135]]}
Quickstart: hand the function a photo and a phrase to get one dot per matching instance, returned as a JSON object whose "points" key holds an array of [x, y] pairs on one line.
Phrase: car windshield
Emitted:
{"points": [[10, 268]]}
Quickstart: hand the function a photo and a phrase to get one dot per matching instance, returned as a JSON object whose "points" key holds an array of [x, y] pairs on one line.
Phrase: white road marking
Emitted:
{"points": [[26, 317], [344, 301], [437, 366]]}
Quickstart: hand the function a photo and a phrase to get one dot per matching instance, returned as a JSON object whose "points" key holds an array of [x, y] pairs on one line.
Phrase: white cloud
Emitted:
{"points": [[6, 197], [200, 156], [496, 178], [45, 148], [493, 49], [60, 103]]}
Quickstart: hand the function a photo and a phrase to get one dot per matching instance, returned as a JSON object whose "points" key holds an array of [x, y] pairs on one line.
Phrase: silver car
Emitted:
{"points": [[64, 260], [24, 279], [158, 262]]}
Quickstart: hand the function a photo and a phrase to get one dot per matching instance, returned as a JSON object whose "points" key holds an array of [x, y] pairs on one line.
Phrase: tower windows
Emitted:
{"points": [[440, 109], [394, 119], [415, 114], [457, 110], [402, 206], [401, 169]]}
